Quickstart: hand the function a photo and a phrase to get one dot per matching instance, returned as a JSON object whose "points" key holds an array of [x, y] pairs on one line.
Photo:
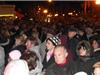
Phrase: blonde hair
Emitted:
{"points": [[96, 65]]}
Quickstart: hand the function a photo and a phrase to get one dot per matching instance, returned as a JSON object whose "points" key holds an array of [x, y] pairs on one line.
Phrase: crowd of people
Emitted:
{"points": [[30, 47]]}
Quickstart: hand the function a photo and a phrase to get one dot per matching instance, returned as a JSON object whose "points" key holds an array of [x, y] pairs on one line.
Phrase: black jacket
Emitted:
{"points": [[47, 64], [85, 65], [67, 69]]}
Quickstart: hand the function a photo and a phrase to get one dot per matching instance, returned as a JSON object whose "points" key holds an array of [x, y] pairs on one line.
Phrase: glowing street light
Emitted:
{"points": [[49, 1], [97, 1], [70, 13], [56, 15], [45, 11]]}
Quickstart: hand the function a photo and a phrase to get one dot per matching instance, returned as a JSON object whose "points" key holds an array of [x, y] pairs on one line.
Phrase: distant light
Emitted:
{"points": [[39, 9], [48, 19], [49, 1], [49, 15], [74, 11], [45, 11], [56, 15], [76, 14], [6, 15], [63, 14], [70, 13], [31, 19], [97, 1], [16, 17]]}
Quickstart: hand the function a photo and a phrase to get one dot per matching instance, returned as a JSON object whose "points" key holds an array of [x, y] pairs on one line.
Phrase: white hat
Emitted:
{"points": [[15, 54], [81, 73], [17, 67]]}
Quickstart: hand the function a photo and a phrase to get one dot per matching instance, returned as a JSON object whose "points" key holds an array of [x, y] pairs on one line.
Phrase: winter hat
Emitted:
{"points": [[81, 73], [55, 40], [15, 54], [16, 67]]}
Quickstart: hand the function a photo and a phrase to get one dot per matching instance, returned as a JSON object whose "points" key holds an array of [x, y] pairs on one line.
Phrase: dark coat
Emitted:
{"points": [[85, 65], [47, 64], [67, 69]]}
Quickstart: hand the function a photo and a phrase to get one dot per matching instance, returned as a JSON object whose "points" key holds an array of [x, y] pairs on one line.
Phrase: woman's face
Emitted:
{"points": [[95, 44], [49, 45], [82, 51], [97, 71]]}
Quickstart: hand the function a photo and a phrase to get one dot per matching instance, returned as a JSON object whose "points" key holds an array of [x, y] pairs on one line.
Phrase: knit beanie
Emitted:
{"points": [[55, 40]]}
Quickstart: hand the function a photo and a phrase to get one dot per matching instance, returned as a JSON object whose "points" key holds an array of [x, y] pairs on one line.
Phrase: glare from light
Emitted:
{"points": [[63, 14], [56, 15], [49, 1], [74, 11], [76, 14], [16, 17], [49, 15], [6, 15], [45, 11], [70, 13], [97, 1], [31, 19], [39, 9], [48, 20]]}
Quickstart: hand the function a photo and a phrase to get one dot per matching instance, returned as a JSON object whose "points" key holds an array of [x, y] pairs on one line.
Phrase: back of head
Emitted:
{"points": [[31, 59], [17, 67]]}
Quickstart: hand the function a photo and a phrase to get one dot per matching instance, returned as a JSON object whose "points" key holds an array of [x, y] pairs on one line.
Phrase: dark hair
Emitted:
{"points": [[33, 40], [95, 38], [86, 45], [31, 59]]}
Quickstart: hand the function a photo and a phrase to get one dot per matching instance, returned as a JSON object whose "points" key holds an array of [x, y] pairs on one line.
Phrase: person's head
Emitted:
{"points": [[31, 41], [89, 30], [96, 67], [95, 42], [81, 32], [31, 59], [52, 42], [14, 55], [20, 40], [84, 48], [72, 32], [60, 54], [16, 67], [81, 73]]}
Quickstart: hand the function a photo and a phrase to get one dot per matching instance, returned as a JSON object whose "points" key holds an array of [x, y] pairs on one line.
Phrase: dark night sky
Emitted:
{"points": [[55, 5]]}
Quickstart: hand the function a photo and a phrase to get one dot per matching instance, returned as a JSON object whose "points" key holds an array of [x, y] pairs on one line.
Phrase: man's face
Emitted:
{"points": [[60, 55], [71, 34]]}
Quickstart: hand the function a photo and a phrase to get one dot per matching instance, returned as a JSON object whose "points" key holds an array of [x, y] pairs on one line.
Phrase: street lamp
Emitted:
{"points": [[97, 1]]}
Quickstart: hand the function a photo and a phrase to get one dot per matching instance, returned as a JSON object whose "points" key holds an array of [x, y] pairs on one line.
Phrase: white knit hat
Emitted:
{"points": [[15, 54], [81, 73], [17, 67]]}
